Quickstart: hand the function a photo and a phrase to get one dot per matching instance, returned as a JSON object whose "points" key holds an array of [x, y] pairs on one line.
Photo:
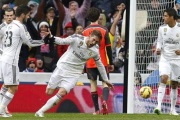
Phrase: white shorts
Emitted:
{"points": [[60, 79], [9, 74], [170, 68]]}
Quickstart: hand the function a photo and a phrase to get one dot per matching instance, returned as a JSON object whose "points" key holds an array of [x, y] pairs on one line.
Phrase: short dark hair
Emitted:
{"points": [[22, 9], [93, 14], [97, 33], [9, 10], [171, 12]]}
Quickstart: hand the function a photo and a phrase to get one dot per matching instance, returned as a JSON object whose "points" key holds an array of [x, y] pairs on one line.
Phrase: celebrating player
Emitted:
{"points": [[15, 34], [9, 16], [169, 64], [71, 64], [92, 72]]}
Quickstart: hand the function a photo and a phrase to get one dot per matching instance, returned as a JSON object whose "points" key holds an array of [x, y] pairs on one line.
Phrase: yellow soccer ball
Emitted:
{"points": [[145, 92]]}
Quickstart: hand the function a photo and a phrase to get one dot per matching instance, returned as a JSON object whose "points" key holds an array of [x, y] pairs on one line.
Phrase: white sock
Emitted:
{"points": [[6, 100], [161, 92], [2, 92], [50, 103], [173, 96]]}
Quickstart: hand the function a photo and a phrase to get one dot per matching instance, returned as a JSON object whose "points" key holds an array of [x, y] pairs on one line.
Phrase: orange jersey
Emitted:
{"points": [[104, 42]]}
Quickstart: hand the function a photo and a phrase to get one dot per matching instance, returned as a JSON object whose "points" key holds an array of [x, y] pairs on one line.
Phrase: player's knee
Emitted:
{"points": [[164, 79], [48, 92], [62, 92], [174, 84]]}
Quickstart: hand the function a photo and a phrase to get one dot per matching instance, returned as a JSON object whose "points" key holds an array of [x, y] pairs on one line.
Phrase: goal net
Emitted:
{"points": [[149, 12]]}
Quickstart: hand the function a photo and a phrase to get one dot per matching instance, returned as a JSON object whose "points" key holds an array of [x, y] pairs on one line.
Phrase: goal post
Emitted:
{"points": [[145, 18], [130, 104]]}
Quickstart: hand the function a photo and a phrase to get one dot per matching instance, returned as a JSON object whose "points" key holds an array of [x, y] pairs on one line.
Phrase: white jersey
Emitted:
{"points": [[2, 30], [169, 41], [15, 35], [77, 54]]}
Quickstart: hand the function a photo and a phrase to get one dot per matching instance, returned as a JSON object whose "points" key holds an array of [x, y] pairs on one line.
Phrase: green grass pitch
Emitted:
{"points": [[81, 116]]}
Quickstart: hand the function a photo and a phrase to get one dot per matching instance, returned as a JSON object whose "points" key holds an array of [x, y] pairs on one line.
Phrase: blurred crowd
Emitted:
{"points": [[64, 18]]}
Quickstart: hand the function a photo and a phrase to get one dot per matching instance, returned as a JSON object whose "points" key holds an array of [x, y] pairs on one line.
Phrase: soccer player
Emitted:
{"points": [[92, 72], [15, 34], [9, 16], [169, 65], [71, 64]]}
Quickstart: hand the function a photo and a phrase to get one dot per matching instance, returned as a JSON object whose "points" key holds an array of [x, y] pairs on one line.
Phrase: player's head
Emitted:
{"points": [[94, 38], [93, 14], [169, 15], [23, 12], [9, 15]]}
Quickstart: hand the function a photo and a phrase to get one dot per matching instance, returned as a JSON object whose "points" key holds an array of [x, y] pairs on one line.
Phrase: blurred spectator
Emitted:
{"points": [[119, 57], [79, 29], [69, 31], [76, 26], [137, 79], [178, 6], [40, 63], [33, 13], [103, 5], [114, 5], [32, 66], [47, 51], [80, 13], [49, 15]]}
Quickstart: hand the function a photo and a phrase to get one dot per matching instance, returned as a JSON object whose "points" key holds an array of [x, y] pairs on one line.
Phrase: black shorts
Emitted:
{"points": [[92, 73]]}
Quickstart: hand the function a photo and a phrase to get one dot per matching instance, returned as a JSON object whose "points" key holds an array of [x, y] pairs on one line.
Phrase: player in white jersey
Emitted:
{"points": [[15, 35], [9, 16], [168, 45], [71, 64]]}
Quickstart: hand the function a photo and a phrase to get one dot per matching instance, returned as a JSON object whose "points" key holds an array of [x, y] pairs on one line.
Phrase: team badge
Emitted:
{"points": [[90, 53], [81, 43], [165, 29], [177, 35]]}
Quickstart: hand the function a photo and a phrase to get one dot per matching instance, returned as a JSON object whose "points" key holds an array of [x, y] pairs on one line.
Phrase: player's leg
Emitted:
{"points": [[51, 87], [175, 77], [105, 95], [3, 90], [57, 80], [10, 75], [92, 76], [94, 96], [173, 96], [51, 102], [164, 70]]}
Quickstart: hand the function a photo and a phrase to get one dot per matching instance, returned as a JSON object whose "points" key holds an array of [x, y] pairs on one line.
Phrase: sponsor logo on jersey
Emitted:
{"points": [[177, 35], [165, 29], [171, 41], [80, 56], [27, 33], [81, 43]]}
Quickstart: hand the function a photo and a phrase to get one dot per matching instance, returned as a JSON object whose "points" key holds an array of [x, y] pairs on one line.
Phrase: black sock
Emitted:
{"points": [[105, 94], [94, 96]]}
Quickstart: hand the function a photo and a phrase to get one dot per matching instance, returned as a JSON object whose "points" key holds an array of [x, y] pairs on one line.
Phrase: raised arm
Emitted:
{"points": [[84, 7], [61, 12], [25, 36], [40, 11]]}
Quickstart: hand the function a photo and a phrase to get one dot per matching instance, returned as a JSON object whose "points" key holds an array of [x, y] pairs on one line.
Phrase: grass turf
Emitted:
{"points": [[81, 116]]}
